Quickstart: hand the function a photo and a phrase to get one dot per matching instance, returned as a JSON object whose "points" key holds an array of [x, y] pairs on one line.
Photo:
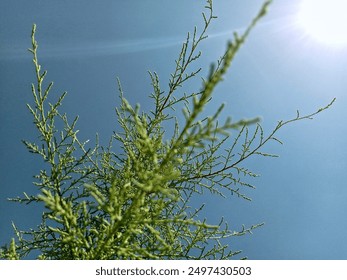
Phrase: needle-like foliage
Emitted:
{"points": [[137, 204]]}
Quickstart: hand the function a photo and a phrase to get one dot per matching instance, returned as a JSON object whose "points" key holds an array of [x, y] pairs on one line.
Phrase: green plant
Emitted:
{"points": [[136, 205]]}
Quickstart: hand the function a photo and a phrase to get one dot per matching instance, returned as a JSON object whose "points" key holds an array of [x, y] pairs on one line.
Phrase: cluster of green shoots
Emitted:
{"points": [[137, 204]]}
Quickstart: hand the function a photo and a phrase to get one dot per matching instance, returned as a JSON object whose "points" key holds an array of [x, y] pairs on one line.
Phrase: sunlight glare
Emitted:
{"points": [[325, 21]]}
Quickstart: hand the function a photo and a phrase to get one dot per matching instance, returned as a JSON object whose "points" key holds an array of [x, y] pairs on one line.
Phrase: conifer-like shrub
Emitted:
{"points": [[136, 204]]}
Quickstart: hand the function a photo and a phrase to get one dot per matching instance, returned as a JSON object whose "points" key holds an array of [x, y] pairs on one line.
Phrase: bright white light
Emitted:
{"points": [[325, 21]]}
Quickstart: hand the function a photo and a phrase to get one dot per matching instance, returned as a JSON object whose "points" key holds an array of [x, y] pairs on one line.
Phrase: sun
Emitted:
{"points": [[325, 21]]}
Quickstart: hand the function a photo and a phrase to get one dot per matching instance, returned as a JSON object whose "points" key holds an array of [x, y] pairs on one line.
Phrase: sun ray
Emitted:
{"points": [[325, 21]]}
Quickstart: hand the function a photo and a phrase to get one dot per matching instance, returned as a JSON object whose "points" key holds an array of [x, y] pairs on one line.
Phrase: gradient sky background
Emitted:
{"points": [[301, 196]]}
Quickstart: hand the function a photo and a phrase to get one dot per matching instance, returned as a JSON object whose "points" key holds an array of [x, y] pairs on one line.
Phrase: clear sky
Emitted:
{"points": [[301, 196]]}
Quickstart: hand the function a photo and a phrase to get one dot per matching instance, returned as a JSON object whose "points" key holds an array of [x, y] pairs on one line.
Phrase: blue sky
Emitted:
{"points": [[301, 196]]}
